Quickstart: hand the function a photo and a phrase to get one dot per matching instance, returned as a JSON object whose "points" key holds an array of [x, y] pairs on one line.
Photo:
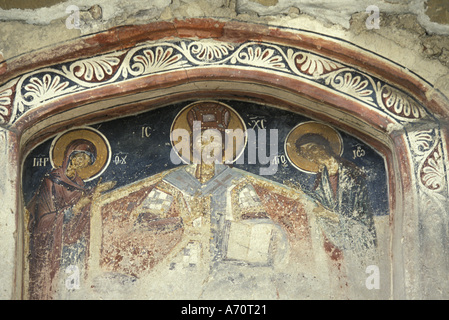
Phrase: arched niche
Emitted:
{"points": [[135, 69]]}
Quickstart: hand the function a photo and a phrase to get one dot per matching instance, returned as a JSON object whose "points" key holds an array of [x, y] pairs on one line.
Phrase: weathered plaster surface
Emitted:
{"points": [[406, 36], [8, 224]]}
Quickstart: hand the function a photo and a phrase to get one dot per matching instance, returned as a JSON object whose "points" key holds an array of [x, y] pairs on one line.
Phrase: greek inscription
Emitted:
{"points": [[358, 153], [146, 132], [257, 123], [40, 162], [120, 159]]}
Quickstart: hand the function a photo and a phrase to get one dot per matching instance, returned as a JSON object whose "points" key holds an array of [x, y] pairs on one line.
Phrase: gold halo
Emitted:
{"points": [[100, 142], [327, 132], [180, 122]]}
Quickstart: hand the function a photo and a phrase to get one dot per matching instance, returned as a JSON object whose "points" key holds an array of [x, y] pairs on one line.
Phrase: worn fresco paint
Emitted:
{"points": [[111, 215]]}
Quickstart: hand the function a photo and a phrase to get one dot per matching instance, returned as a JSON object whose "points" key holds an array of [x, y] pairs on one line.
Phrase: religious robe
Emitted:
{"points": [[52, 226]]}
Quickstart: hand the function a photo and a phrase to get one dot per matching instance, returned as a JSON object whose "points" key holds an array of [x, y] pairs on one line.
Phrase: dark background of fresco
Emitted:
{"points": [[145, 156]]}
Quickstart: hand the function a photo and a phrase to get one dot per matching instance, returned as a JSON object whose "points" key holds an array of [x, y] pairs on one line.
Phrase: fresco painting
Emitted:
{"points": [[127, 208]]}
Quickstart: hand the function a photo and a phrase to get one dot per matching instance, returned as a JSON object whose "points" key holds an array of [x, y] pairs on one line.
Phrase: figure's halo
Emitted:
{"points": [[61, 141], [236, 124], [295, 157]]}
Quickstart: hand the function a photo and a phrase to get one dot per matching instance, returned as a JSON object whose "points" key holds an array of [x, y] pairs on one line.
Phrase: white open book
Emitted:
{"points": [[250, 241]]}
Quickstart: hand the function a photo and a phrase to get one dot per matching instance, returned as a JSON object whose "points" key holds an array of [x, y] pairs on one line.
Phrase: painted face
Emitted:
{"points": [[80, 160], [77, 162], [209, 145], [315, 153]]}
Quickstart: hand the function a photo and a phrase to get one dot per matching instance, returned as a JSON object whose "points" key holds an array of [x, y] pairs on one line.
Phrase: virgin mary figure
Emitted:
{"points": [[59, 217]]}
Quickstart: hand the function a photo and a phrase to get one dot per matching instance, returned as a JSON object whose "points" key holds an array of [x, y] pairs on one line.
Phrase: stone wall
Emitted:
{"points": [[412, 34]]}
